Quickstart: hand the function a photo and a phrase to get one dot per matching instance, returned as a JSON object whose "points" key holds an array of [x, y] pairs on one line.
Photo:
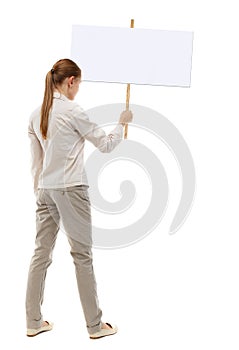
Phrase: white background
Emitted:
{"points": [[165, 292]]}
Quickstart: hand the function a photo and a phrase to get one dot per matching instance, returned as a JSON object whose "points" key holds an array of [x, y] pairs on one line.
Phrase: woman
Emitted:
{"points": [[57, 131]]}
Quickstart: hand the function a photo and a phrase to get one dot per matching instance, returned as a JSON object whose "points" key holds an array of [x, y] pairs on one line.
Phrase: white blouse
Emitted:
{"points": [[58, 161]]}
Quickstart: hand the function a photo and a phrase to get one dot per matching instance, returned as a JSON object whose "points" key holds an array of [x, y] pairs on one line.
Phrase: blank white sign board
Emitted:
{"points": [[137, 56]]}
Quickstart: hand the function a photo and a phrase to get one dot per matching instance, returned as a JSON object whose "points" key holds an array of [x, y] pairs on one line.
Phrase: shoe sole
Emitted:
{"points": [[33, 335], [102, 336]]}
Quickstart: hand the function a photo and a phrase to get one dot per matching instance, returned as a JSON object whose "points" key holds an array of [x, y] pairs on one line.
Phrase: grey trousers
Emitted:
{"points": [[71, 208]]}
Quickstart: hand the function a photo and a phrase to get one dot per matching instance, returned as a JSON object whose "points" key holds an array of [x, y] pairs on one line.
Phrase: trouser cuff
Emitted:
{"points": [[95, 328], [34, 324]]}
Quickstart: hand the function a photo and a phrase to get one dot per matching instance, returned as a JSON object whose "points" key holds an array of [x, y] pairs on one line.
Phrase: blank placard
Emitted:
{"points": [[136, 56]]}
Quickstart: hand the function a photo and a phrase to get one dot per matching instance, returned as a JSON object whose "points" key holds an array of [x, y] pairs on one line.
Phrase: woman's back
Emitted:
{"points": [[63, 158]]}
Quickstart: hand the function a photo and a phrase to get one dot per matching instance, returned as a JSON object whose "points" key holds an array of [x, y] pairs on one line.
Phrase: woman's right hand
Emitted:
{"points": [[126, 117]]}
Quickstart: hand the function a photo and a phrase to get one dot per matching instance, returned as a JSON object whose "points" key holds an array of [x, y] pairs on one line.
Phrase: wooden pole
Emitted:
{"points": [[128, 93]]}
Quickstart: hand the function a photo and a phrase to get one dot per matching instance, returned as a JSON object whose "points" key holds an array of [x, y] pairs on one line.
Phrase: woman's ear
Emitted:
{"points": [[71, 80]]}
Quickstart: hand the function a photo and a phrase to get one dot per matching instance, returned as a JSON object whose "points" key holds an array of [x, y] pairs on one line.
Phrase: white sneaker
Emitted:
{"points": [[104, 332], [32, 332]]}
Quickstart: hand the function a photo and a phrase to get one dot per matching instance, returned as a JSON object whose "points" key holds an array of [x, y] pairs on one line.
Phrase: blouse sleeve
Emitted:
{"points": [[96, 135], [36, 156]]}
